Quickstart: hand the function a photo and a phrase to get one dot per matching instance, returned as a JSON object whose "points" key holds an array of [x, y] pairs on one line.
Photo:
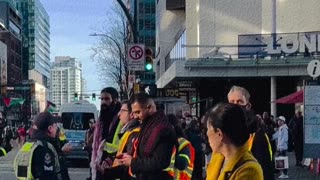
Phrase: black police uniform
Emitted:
{"points": [[43, 164]]}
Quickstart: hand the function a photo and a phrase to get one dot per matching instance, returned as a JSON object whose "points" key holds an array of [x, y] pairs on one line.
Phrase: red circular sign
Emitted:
{"points": [[136, 52]]}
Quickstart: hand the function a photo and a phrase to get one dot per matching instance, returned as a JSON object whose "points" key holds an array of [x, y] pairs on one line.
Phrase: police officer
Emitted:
{"points": [[40, 153]]}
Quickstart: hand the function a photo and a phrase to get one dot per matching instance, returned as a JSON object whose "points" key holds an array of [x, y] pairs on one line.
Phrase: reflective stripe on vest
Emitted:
{"points": [[123, 143], [22, 163], [114, 146], [170, 168], [250, 143], [185, 174], [3, 151]]}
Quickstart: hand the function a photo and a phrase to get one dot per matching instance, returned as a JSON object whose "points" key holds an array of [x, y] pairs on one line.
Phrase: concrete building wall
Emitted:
{"points": [[219, 22], [292, 16], [170, 25]]}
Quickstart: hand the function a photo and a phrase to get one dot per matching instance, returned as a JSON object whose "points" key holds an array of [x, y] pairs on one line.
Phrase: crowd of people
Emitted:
{"points": [[132, 139]]}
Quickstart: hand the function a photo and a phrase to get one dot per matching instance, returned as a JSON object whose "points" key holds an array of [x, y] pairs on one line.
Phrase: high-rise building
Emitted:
{"points": [[10, 35], [144, 13], [66, 80], [35, 41]]}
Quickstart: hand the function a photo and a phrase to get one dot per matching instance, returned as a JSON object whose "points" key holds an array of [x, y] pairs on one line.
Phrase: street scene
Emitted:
{"points": [[159, 89]]}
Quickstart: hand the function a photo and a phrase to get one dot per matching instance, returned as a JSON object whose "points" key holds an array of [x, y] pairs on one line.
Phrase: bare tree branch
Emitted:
{"points": [[111, 50]]}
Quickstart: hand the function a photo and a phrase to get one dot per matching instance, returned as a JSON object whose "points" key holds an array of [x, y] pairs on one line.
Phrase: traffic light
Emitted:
{"points": [[149, 64], [93, 96], [76, 97]]}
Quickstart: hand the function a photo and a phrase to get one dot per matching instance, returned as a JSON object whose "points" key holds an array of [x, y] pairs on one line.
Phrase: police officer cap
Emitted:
{"points": [[44, 120]]}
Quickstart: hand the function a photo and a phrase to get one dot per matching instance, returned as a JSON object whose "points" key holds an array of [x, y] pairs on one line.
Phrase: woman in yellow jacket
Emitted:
{"points": [[228, 135]]}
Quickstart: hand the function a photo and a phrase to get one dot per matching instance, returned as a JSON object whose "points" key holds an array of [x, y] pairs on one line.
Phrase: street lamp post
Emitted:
{"points": [[120, 63]]}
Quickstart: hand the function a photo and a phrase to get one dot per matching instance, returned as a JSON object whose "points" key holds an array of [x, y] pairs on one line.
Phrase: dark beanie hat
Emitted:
{"points": [[44, 120], [112, 91]]}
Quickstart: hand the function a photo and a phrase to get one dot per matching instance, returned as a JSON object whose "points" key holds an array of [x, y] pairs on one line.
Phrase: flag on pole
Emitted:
{"points": [[51, 107]]}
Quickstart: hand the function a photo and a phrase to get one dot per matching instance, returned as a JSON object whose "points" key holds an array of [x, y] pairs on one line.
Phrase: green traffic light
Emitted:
{"points": [[148, 67]]}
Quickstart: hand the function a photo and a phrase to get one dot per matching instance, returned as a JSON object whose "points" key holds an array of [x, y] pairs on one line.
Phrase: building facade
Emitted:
{"points": [[66, 80], [35, 41], [200, 43], [10, 35]]}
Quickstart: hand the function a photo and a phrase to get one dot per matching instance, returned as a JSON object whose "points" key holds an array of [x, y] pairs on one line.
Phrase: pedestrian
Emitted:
{"points": [[193, 134], [282, 142], [228, 133], [296, 126], [130, 130], [88, 142], [105, 139], [22, 134], [185, 155], [259, 143], [154, 147], [40, 154]]}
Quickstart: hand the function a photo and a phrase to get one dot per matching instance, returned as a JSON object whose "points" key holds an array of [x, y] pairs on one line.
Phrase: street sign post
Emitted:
{"points": [[136, 57]]}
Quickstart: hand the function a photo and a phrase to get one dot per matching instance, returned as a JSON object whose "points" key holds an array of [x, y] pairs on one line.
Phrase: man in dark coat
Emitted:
{"points": [[296, 126], [154, 146], [259, 148]]}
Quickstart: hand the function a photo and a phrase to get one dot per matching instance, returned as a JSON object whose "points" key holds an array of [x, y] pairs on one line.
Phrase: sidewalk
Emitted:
{"points": [[299, 173]]}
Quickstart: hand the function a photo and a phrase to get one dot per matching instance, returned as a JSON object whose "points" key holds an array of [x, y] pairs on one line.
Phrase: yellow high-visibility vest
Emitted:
{"points": [[185, 174], [124, 142], [3, 152], [62, 134], [114, 146], [23, 160]]}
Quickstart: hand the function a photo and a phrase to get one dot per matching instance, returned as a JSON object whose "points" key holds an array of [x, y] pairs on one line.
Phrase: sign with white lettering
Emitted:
{"points": [[279, 44]]}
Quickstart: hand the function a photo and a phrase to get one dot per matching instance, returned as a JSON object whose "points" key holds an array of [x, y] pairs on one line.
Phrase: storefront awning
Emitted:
{"points": [[296, 97]]}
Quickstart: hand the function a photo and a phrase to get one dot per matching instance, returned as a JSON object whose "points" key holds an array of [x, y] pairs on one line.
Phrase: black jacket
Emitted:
{"points": [[56, 144], [43, 160], [260, 151], [155, 144]]}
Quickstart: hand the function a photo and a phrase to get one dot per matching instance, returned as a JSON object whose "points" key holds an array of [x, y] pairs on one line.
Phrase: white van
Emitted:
{"points": [[75, 118]]}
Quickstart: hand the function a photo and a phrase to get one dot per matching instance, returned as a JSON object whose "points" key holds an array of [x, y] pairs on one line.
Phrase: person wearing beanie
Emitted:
{"points": [[40, 153]]}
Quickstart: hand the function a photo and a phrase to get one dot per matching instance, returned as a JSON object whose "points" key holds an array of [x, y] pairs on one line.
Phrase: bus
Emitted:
{"points": [[75, 118]]}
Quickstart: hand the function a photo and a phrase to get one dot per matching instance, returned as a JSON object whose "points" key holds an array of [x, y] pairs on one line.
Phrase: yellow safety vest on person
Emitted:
{"points": [[23, 160], [250, 143], [3, 152], [123, 143], [114, 146], [62, 134], [185, 174]]}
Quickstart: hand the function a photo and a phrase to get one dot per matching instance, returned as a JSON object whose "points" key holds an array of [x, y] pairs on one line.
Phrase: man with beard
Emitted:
{"points": [[152, 150], [106, 140]]}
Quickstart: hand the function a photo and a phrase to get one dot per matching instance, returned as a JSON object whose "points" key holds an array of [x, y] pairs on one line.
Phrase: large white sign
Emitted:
{"points": [[292, 43], [3, 63], [136, 57], [311, 121]]}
